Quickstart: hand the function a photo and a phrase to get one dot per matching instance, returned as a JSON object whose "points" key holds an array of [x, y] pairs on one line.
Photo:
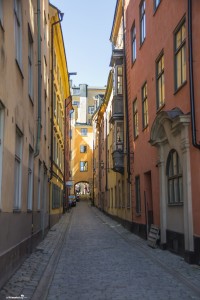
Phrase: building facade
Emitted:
{"points": [[85, 102], [162, 81], [24, 129], [60, 104]]}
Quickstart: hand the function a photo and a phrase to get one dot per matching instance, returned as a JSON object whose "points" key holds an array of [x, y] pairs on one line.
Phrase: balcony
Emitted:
{"points": [[117, 108], [118, 161]]}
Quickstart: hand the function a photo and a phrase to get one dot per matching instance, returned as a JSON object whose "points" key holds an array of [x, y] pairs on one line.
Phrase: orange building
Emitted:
{"points": [[162, 80]]}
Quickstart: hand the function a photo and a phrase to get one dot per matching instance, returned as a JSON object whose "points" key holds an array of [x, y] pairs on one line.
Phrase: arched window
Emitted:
{"points": [[174, 176]]}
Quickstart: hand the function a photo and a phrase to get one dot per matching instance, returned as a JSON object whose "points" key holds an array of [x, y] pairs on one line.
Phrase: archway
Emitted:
{"points": [[82, 189]]}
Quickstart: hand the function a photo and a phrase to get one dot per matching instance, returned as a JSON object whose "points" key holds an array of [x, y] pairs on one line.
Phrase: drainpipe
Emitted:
{"points": [[52, 77], [126, 100], [192, 100], [37, 149]]}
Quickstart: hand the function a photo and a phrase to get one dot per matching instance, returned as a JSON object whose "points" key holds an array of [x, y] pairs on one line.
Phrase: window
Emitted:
{"points": [[160, 82], [84, 131], [76, 103], [18, 169], [30, 180], [56, 193], [83, 149], [135, 119], [144, 106], [1, 12], [119, 135], [90, 110], [142, 22], [119, 80], [39, 187], [30, 64], [180, 55], [18, 32], [137, 195], [174, 176], [156, 3], [83, 166], [133, 35]]}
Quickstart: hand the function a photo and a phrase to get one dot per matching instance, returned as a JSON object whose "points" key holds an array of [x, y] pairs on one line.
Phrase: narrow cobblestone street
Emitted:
{"points": [[87, 256]]}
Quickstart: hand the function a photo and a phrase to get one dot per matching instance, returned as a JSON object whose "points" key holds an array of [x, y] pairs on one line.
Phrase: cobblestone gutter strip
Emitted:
{"points": [[173, 264], [25, 281]]}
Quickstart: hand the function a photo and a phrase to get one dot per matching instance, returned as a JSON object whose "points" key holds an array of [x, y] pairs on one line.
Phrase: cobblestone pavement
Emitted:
{"points": [[88, 256]]}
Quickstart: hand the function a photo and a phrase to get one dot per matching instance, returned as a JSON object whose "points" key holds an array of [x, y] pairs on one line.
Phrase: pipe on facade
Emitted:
{"points": [[126, 98], [52, 78], [37, 148], [192, 100]]}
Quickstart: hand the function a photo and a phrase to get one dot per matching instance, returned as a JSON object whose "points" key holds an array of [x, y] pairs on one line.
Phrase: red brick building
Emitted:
{"points": [[163, 65]]}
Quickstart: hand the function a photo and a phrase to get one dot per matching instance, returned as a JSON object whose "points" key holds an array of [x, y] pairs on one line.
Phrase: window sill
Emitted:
{"points": [[175, 204], [144, 128], [160, 108], [138, 214], [19, 68], [29, 211], [180, 87], [17, 210]]}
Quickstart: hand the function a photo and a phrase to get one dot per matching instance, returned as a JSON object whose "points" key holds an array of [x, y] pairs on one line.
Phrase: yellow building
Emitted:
{"points": [[60, 96], [85, 102]]}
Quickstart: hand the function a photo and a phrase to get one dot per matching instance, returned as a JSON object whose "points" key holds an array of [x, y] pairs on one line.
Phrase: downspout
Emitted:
{"points": [[126, 99], [52, 78], [192, 100], [37, 148]]}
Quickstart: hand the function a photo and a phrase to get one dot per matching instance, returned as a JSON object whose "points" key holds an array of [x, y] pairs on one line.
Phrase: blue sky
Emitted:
{"points": [[86, 30]]}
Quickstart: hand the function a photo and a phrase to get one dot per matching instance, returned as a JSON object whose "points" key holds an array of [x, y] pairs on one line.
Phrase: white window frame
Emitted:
{"points": [[18, 169]]}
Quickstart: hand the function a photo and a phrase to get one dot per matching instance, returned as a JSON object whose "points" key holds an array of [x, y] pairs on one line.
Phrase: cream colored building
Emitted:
{"points": [[85, 101], [24, 129]]}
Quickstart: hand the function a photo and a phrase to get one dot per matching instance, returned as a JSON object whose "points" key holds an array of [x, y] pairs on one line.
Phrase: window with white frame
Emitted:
{"points": [[30, 64], [30, 180], [90, 110], [142, 21], [180, 55], [119, 135], [18, 169], [175, 181], [119, 80], [83, 166], [144, 106], [84, 131], [133, 36], [83, 149], [160, 81], [18, 31]]}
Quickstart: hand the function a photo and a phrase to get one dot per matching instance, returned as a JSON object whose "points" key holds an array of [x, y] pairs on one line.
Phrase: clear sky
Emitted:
{"points": [[86, 30]]}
